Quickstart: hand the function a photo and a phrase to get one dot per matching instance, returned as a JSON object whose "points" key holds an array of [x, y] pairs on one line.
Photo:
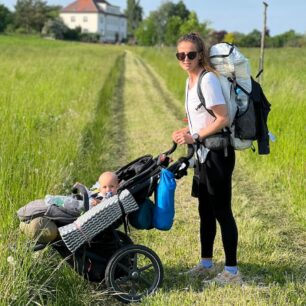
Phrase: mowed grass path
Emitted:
{"points": [[271, 248]]}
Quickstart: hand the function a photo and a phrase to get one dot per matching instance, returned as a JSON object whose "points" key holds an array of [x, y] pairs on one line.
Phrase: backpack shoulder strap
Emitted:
{"points": [[200, 94]]}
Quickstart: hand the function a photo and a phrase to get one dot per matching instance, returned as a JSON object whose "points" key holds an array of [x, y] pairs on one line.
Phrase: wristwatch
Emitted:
{"points": [[196, 137]]}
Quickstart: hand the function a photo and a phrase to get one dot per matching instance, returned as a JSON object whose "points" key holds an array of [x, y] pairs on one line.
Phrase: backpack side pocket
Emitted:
{"points": [[245, 123]]}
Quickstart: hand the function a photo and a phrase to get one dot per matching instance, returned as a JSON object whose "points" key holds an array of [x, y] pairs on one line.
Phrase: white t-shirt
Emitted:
{"points": [[212, 92]]}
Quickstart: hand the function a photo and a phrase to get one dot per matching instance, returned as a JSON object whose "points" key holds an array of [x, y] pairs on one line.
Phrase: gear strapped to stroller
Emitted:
{"points": [[94, 247]]}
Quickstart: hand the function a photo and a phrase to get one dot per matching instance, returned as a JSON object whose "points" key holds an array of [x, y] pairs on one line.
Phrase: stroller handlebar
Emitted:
{"points": [[190, 152], [179, 168], [173, 148], [170, 151], [79, 188]]}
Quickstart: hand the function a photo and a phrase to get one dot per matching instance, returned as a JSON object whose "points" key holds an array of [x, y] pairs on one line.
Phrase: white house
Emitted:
{"points": [[96, 16]]}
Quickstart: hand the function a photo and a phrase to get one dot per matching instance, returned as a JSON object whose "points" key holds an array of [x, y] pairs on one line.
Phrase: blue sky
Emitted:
{"points": [[235, 15]]}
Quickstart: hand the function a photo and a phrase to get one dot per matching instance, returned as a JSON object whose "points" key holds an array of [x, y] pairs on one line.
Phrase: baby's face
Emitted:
{"points": [[108, 184]]}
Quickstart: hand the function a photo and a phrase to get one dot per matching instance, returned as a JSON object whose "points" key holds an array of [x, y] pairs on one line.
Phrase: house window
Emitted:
{"points": [[85, 18], [85, 30], [72, 19]]}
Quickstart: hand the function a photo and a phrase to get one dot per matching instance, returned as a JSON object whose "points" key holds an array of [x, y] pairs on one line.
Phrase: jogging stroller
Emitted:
{"points": [[130, 271]]}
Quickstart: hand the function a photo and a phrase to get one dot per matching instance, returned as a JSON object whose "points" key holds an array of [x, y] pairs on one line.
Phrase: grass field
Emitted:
{"points": [[56, 123], [70, 111]]}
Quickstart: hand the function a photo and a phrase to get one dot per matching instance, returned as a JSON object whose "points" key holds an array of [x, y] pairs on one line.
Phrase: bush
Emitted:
{"points": [[21, 30], [90, 37], [5, 18], [73, 34], [55, 29]]}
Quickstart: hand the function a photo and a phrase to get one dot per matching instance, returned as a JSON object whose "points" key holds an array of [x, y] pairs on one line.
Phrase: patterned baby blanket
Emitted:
{"points": [[96, 220]]}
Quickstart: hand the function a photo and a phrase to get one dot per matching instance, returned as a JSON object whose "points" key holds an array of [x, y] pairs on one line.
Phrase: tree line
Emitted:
{"points": [[162, 27]]}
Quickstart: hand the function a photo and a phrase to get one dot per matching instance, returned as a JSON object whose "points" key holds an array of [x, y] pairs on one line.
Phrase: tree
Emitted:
{"points": [[160, 18], [237, 38], [167, 23], [286, 39], [192, 25], [23, 14], [53, 11], [172, 32], [5, 17], [146, 34], [179, 10], [31, 15], [134, 16], [252, 39], [302, 41], [175, 15], [167, 20]]}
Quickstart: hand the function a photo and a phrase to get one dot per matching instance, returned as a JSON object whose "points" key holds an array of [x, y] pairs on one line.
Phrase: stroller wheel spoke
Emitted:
{"points": [[123, 267], [122, 280], [146, 281], [135, 260], [133, 290], [145, 267]]}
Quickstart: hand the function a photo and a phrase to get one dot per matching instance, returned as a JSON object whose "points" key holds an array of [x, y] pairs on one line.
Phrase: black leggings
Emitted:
{"points": [[215, 193]]}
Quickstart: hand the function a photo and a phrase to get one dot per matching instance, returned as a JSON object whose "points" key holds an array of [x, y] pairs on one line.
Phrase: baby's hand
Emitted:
{"points": [[94, 202]]}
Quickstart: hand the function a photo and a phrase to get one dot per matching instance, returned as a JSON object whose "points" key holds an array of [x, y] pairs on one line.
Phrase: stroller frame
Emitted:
{"points": [[130, 271]]}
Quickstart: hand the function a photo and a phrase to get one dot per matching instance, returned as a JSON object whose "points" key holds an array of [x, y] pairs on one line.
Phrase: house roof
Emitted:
{"points": [[81, 6], [88, 6]]}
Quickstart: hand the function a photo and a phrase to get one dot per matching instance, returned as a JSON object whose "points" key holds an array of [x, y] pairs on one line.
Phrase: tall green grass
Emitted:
{"points": [[284, 85], [63, 120], [55, 110]]}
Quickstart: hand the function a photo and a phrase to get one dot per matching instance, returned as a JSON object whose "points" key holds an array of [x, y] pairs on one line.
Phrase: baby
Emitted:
{"points": [[45, 230], [108, 185]]}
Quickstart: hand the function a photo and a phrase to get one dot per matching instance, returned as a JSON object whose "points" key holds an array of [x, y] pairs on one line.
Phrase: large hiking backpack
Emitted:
{"points": [[247, 105]]}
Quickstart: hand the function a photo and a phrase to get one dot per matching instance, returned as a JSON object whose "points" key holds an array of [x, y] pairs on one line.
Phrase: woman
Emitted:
{"points": [[214, 167]]}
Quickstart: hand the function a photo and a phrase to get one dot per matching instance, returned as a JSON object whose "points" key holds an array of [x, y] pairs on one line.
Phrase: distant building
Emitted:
{"points": [[96, 16]]}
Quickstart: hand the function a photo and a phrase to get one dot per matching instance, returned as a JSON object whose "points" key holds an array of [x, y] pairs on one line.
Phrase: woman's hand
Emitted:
{"points": [[175, 136], [182, 137]]}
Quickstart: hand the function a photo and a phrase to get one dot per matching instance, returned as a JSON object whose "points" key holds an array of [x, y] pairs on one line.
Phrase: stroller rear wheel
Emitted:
{"points": [[133, 272]]}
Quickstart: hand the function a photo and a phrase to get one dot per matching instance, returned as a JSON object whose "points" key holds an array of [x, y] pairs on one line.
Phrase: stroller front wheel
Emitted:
{"points": [[133, 272]]}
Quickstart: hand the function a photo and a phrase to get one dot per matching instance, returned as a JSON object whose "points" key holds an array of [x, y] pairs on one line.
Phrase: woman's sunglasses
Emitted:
{"points": [[182, 55]]}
